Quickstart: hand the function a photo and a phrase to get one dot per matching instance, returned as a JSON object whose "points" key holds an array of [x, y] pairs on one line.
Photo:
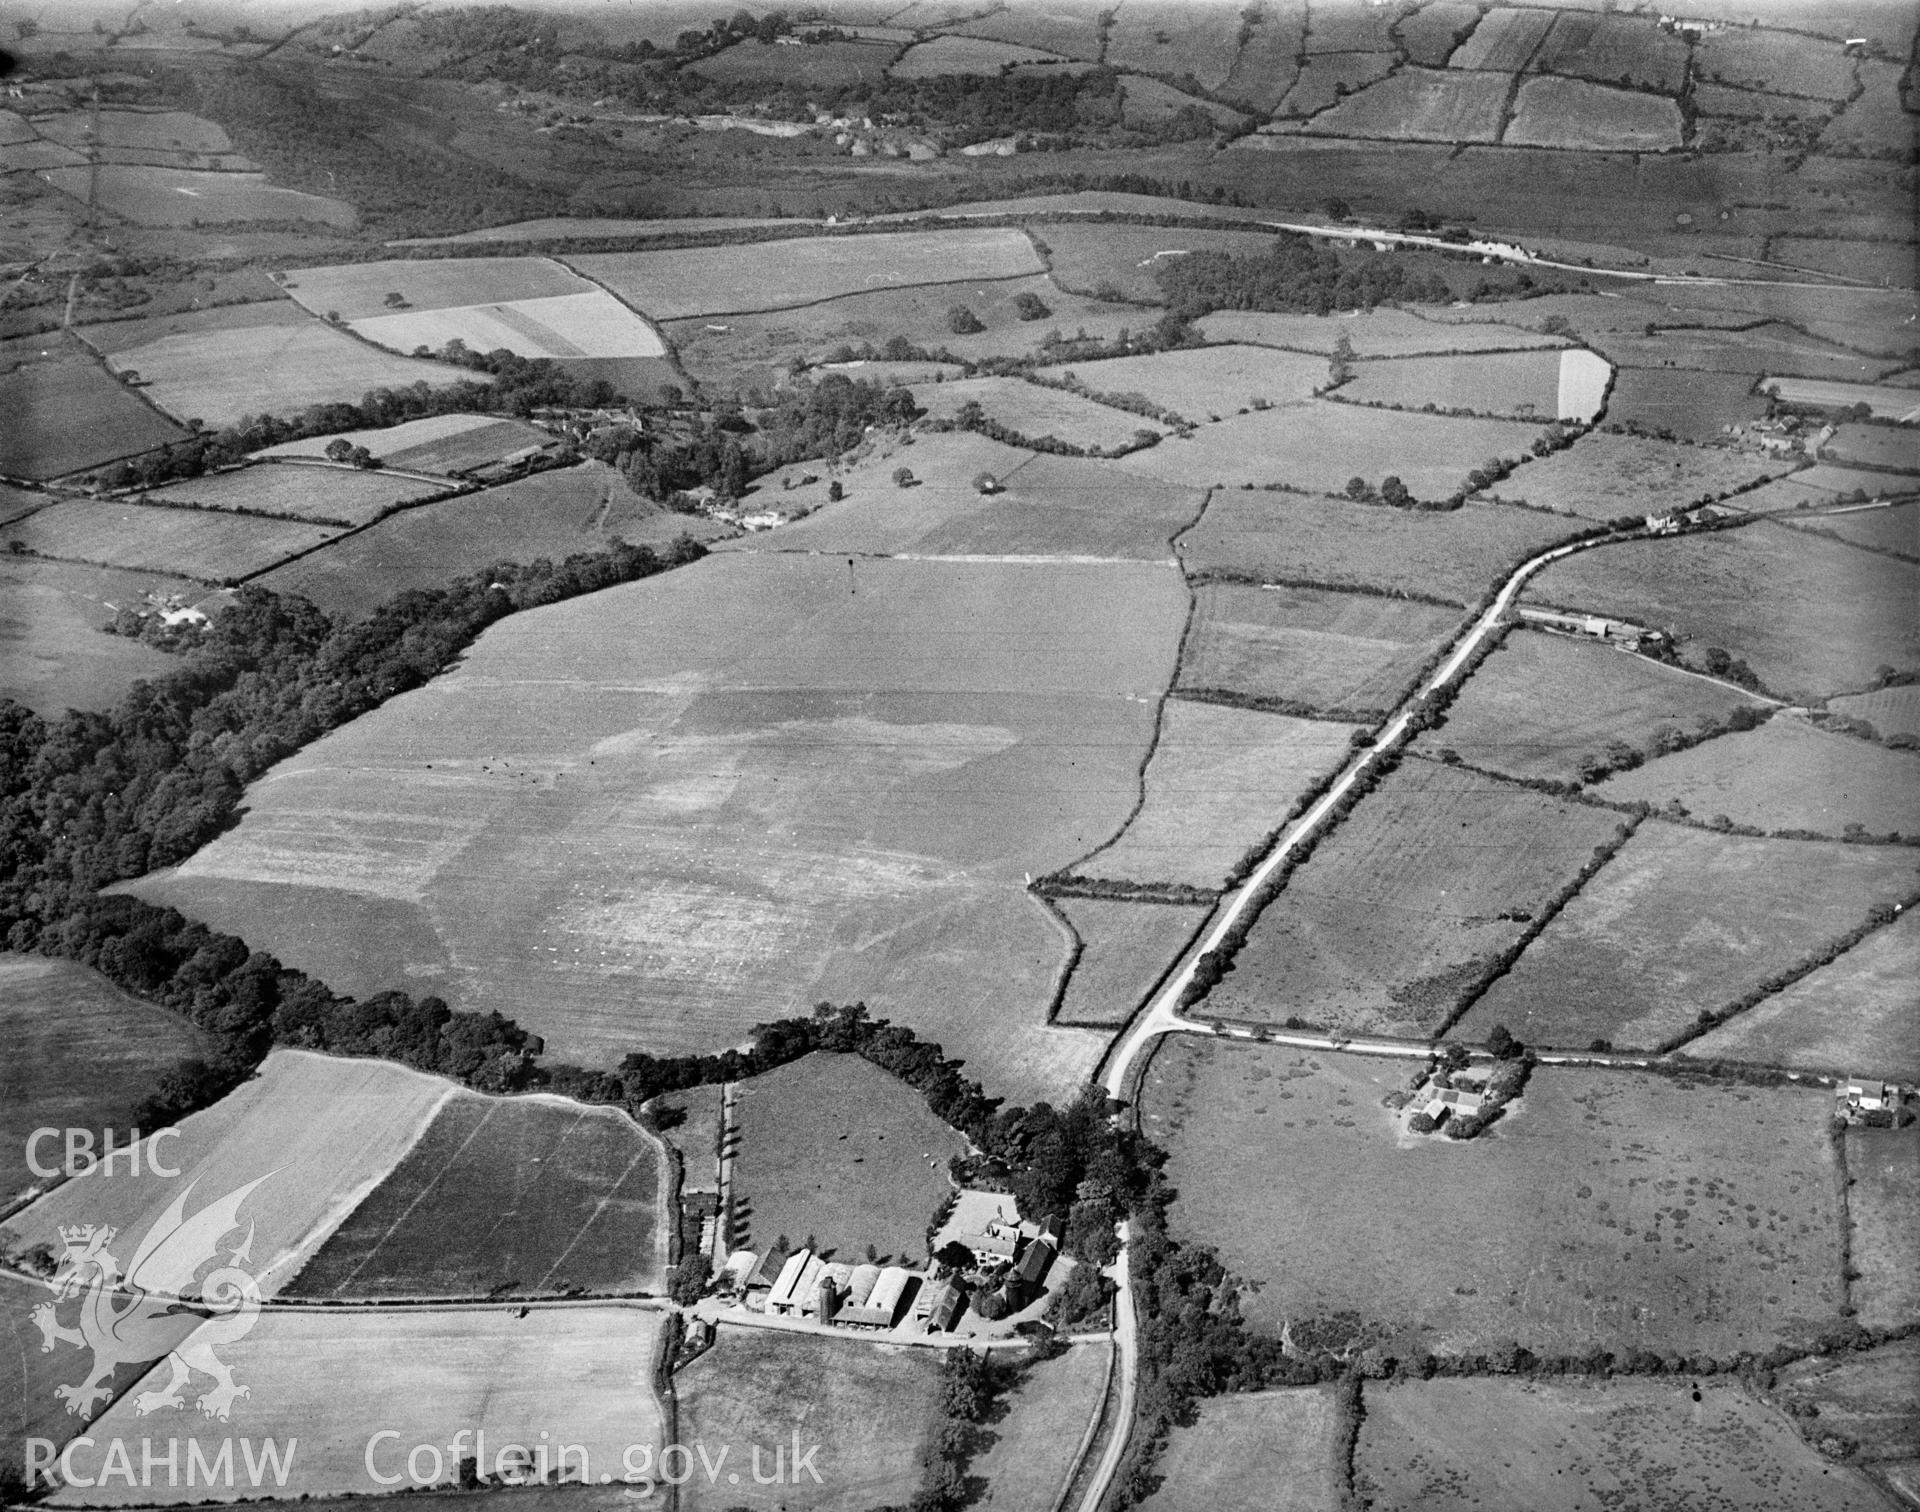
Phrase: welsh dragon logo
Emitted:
{"points": [[136, 1317]]}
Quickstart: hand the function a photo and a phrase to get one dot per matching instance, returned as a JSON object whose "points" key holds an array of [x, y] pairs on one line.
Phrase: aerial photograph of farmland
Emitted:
{"points": [[917, 755]]}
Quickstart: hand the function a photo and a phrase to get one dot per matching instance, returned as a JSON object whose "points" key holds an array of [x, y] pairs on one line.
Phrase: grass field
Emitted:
{"points": [[184, 196], [1516, 384], [1581, 1446], [1785, 495], [1571, 113], [1035, 411], [1172, 39], [552, 514], [963, 55], [194, 543], [84, 1055], [279, 365], [1603, 476], [1399, 910], [1606, 1210], [360, 291], [1811, 617], [1679, 922], [1871, 1396], [320, 1132], [583, 1376], [1884, 1203], [1891, 711], [781, 274], [1205, 383], [1747, 104], [1220, 778], [53, 654], [1851, 1016], [1428, 35], [1455, 554], [152, 130], [1421, 105], [1326, 78], [1690, 405], [1895, 530], [439, 444], [1771, 348], [1320, 444], [1382, 332], [1885, 403], [873, 1411], [705, 821], [1780, 61], [1787, 774], [820, 65], [1127, 948], [532, 1196], [1033, 1446], [1503, 41], [1088, 258], [1268, 1449], [1544, 703], [330, 495], [809, 1165], [66, 414], [1614, 49], [593, 324], [1875, 446]]}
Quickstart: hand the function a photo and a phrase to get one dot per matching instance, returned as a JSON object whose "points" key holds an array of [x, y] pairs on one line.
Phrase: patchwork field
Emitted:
{"points": [[963, 55], [194, 543], [1614, 49], [1319, 445], [1811, 617], [53, 654], [775, 275], [1421, 105], [1401, 909], [1606, 1210], [1269, 1449], [1679, 922], [1515, 384], [1219, 779], [874, 1412], [1120, 259], [1777, 60], [439, 444], [363, 290], [83, 1055], [322, 495], [1603, 476], [1330, 651], [1891, 711], [1787, 774], [704, 821], [1513, 1446], [1884, 1204], [820, 65], [1036, 412], [528, 1196], [335, 1381], [1325, 78], [1503, 41], [1456, 553], [1033, 1446], [150, 196], [1853, 1016], [1382, 332], [67, 414], [809, 1165], [594, 324], [1553, 112], [1875, 446], [552, 514], [1204, 383], [1126, 948], [315, 1135]]}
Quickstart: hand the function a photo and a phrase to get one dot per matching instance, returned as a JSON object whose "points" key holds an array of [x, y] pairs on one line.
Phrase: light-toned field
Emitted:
{"points": [[1681, 921], [1205, 383], [53, 654], [1087, 258], [1860, 484], [1782, 61], [1517, 384], [872, 1410], [1456, 553], [963, 55], [1270, 1449], [1219, 779], [335, 1381], [1603, 476], [1543, 703], [1034, 411], [1582, 1446], [336, 495], [1421, 105], [279, 366], [111, 337], [437, 444], [1554, 112], [1381, 332], [1787, 774], [195, 543], [1811, 617], [185, 196], [1886, 403], [1614, 50], [1853, 1016], [809, 1161], [1896, 263], [817, 65], [1607, 1209], [1428, 35], [1167, 38], [1127, 948], [1786, 494], [156, 130], [1503, 41], [1891, 711], [1328, 650], [1884, 1204], [359, 291], [551, 514], [1048, 1412], [593, 324], [1399, 911], [66, 414], [780, 274], [1875, 446], [1319, 445], [317, 1134], [706, 821]]}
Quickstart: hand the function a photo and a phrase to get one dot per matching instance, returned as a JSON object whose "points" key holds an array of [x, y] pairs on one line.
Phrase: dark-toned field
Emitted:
{"points": [[1608, 1209], [68, 413], [1693, 406], [524, 1196], [1127, 947], [1118, 260], [53, 653]]}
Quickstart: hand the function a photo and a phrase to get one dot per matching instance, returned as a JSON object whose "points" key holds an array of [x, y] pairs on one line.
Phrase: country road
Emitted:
{"points": [[1126, 1341]]}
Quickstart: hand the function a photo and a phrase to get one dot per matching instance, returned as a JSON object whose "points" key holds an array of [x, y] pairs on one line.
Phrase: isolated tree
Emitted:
{"points": [[986, 483], [835, 493], [1501, 1043], [963, 322], [339, 449], [395, 299], [1394, 492], [903, 477], [1030, 306], [1358, 488]]}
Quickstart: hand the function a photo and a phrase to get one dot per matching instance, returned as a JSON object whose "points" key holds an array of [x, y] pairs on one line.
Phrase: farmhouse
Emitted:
{"points": [[995, 1245], [1862, 1096]]}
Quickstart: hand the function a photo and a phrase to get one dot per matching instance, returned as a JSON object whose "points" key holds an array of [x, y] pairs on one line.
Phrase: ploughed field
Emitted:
{"points": [[654, 817]]}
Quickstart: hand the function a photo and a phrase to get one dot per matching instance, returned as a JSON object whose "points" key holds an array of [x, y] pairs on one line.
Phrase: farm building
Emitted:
{"points": [[999, 1242], [945, 1308], [860, 1285], [1035, 1261], [883, 1300], [740, 1267], [799, 1278], [1441, 1103], [1869, 1096]]}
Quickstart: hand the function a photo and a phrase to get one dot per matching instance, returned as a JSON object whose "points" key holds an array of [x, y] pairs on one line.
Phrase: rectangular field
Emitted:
{"points": [[1381, 332], [818, 65], [593, 324], [1514, 384], [1871, 1397], [362, 291], [185, 196], [1628, 50], [1205, 383], [1693, 406], [1875, 446], [962, 55], [1127, 947], [1271, 1449], [53, 652], [1606, 1210], [1780, 61], [315, 1134], [1219, 779], [779, 274], [1503, 41], [195, 543], [68, 414], [1120, 259], [1421, 105], [324, 495], [1036, 412], [1884, 1204], [1555, 112], [1603, 476], [533, 1196], [1402, 908], [1682, 921], [1891, 711], [1049, 1410], [1885, 403], [439, 444]]}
